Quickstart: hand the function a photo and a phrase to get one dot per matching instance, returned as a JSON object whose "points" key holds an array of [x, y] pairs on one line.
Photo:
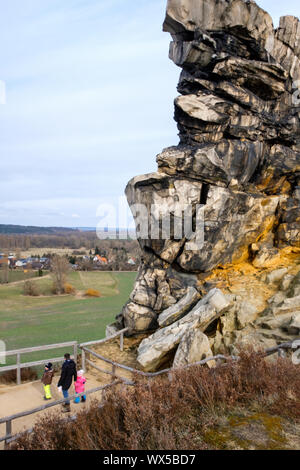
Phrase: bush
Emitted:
{"points": [[30, 288], [69, 289], [175, 413], [92, 293]]}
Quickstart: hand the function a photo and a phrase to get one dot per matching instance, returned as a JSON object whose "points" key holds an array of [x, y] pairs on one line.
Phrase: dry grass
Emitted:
{"points": [[10, 377], [183, 411]]}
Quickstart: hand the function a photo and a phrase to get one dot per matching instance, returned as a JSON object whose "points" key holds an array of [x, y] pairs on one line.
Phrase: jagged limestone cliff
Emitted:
{"points": [[237, 169]]}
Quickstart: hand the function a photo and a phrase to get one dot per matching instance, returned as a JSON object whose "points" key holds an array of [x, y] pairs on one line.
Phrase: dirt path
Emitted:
{"points": [[15, 399], [116, 284], [15, 283], [81, 278]]}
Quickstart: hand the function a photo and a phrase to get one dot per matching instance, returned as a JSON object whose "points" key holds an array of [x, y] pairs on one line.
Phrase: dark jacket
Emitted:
{"points": [[47, 377], [68, 371]]}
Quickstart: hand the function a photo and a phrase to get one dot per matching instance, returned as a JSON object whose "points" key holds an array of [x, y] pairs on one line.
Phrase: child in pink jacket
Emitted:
{"points": [[80, 386]]}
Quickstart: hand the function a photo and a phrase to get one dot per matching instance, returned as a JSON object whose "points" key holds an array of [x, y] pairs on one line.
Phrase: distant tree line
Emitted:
{"points": [[73, 240], [20, 229]]}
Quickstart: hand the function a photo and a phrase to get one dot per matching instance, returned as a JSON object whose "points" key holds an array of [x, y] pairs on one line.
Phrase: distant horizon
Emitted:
{"points": [[67, 226]]}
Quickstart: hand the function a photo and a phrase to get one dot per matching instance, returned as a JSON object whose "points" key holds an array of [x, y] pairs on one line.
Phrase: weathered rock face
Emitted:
{"points": [[194, 347], [236, 168], [264, 313], [154, 350], [177, 311]]}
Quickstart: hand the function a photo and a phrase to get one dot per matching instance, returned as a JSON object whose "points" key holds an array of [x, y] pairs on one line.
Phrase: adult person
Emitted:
{"points": [[68, 372]]}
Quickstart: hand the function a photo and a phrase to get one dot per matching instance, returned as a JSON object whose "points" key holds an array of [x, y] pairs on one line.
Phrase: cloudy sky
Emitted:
{"points": [[89, 103]]}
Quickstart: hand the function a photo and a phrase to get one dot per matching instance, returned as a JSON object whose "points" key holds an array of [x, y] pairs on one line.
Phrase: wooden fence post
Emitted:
{"points": [[8, 433], [18, 369], [122, 342], [113, 373], [75, 353], [83, 364]]}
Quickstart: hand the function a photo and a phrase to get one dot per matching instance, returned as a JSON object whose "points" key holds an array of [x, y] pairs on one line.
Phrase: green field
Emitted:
{"points": [[16, 276], [47, 319]]}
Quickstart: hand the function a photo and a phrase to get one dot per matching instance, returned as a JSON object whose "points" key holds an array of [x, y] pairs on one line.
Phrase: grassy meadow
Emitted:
{"points": [[20, 275], [33, 321]]}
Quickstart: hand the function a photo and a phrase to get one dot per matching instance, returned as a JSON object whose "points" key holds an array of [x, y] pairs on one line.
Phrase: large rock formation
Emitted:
{"points": [[236, 171]]}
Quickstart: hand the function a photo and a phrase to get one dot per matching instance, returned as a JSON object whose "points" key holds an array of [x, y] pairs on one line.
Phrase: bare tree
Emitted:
{"points": [[4, 271], [59, 272]]}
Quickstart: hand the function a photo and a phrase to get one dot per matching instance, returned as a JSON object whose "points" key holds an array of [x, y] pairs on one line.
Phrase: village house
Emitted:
{"points": [[100, 260], [21, 263]]}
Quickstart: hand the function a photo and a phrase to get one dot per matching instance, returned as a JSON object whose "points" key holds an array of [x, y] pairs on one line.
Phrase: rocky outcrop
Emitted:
{"points": [[235, 172], [154, 351], [283, 312], [246, 323]]}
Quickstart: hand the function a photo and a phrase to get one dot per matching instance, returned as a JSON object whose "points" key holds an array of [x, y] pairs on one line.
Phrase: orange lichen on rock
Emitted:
{"points": [[245, 272]]}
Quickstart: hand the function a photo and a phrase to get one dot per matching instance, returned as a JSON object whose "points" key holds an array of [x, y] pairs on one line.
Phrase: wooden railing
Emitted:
{"points": [[73, 344], [18, 353], [280, 349]]}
